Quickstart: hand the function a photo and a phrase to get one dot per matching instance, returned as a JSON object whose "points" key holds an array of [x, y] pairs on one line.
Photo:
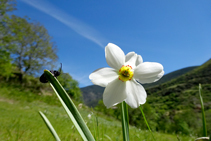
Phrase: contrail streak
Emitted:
{"points": [[73, 23]]}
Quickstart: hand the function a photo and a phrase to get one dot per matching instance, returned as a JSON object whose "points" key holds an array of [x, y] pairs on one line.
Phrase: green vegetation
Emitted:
{"points": [[5, 64], [178, 100], [20, 119]]}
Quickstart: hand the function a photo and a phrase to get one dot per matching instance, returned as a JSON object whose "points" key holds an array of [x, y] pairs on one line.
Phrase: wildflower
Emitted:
{"points": [[89, 116], [122, 81]]}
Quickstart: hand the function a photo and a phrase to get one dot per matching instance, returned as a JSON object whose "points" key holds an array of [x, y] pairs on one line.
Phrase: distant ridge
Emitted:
{"points": [[92, 94]]}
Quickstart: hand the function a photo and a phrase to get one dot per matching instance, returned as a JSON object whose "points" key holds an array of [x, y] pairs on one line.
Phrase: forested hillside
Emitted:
{"points": [[179, 99], [172, 106]]}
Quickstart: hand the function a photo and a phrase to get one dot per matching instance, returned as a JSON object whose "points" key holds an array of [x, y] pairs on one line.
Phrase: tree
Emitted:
{"points": [[5, 65], [5, 59], [6, 6], [27, 43], [30, 45]]}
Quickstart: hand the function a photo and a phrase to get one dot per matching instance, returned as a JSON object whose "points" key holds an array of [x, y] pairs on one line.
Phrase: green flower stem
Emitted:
{"points": [[69, 107], [146, 122], [50, 127], [203, 114], [125, 121]]}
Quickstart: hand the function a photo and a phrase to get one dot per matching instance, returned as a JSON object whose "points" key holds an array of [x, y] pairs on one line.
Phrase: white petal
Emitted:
{"points": [[136, 94], [130, 59], [151, 79], [115, 57], [114, 93], [129, 55], [103, 76], [147, 70], [138, 60]]}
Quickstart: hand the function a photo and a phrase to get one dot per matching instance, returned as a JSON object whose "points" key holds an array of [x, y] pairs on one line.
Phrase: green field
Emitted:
{"points": [[20, 120]]}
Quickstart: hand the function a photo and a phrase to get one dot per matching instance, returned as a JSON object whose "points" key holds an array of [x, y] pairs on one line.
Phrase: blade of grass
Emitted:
{"points": [[146, 122], [103, 132], [98, 135], [69, 107], [108, 137], [50, 127], [203, 114], [178, 138], [125, 121], [18, 130], [95, 131]]}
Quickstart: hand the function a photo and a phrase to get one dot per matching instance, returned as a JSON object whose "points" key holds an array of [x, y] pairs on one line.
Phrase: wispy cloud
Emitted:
{"points": [[73, 23]]}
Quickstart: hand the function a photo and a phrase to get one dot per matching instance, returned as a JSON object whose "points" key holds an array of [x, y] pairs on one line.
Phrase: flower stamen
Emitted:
{"points": [[125, 73]]}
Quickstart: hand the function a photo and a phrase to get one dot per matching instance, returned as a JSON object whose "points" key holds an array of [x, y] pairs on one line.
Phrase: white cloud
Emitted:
{"points": [[73, 23]]}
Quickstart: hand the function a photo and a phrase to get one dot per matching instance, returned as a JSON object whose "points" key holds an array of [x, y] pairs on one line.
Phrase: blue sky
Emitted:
{"points": [[176, 34]]}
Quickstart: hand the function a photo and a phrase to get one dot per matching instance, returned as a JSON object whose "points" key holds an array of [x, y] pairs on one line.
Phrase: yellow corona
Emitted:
{"points": [[125, 73]]}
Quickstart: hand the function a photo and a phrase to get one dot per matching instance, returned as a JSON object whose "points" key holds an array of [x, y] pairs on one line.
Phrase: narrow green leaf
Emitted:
{"points": [[125, 121], [50, 127], [69, 107], [203, 114], [146, 122], [71, 116]]}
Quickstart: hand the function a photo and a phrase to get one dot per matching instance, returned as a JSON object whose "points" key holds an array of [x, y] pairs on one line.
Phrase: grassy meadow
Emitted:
{"points": [[20, 120]]}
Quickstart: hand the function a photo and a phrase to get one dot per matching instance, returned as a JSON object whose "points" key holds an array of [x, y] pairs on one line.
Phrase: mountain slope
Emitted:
{"points": [[183, 90], [92, 94]]}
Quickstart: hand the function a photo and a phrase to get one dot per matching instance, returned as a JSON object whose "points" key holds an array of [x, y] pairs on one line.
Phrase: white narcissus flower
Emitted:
{"points": [[121, 80]]}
